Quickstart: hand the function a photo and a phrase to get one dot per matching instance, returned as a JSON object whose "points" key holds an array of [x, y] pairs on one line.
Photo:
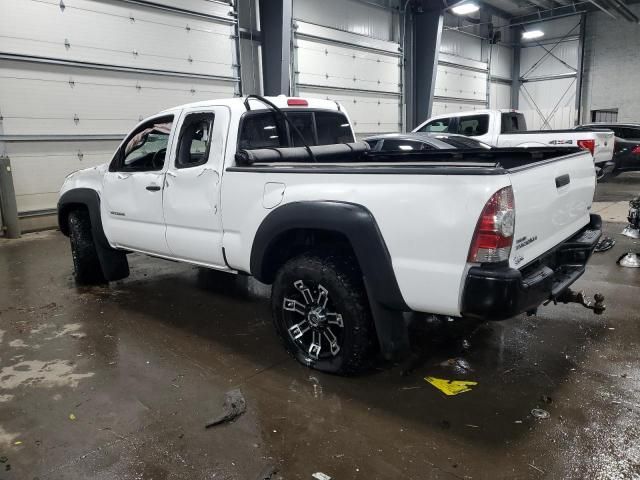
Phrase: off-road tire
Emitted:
{"points": [[86, 263], [341, 277]]}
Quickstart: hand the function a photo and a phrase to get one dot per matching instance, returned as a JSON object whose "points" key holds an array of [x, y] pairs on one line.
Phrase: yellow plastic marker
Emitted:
{"points": [[72, 416], [450, 387], [18, 442]]}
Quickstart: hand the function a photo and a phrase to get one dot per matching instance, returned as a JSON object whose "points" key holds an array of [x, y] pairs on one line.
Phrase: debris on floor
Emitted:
{"points": [[267, 473], [604, 244], [451, 387], [540, 413], [234, 405], [321, 476], [458, 365]]}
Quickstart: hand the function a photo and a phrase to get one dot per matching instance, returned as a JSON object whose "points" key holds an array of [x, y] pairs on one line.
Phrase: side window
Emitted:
{"points": [[146, 148], [261, 130], [440, 125], [195, 140], [473, 125], [333, 128], [395, 145]]}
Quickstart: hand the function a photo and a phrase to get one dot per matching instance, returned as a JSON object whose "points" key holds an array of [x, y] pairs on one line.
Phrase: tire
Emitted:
{"points": [[86, 264], [320, 300]]}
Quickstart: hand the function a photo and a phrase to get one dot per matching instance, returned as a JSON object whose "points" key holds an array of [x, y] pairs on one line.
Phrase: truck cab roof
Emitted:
{"points": [[281, 101]]}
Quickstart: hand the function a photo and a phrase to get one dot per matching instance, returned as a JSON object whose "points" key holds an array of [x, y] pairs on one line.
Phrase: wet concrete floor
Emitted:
{"points": [[118, 382]]}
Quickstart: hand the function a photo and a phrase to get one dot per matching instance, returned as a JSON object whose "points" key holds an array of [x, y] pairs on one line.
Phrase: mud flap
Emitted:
{"points": [[391, 328], [114, 263]]}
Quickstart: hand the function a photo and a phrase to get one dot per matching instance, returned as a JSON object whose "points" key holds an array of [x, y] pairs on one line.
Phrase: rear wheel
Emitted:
{"points": [[86, 264], [321, 312]]}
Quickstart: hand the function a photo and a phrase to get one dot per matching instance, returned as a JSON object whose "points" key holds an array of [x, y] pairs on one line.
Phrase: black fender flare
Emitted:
{"points": [[352, 220], [90, 199]]}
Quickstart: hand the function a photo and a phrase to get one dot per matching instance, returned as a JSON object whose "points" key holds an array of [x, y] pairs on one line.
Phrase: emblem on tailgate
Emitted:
{"points": [[524, 241], [561, 142]]}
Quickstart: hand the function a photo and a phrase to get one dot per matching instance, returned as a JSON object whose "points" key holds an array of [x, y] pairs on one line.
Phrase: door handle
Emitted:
{"points": [[122, 176], [563, 180], [153, 188]]}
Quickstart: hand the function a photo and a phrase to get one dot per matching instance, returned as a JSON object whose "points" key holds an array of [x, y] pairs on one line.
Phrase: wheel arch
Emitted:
{"points": [[82, 198], [351, 225]]}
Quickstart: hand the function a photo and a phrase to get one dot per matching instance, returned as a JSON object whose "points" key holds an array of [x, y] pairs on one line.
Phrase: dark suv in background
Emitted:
{"points": [[626, 155]]}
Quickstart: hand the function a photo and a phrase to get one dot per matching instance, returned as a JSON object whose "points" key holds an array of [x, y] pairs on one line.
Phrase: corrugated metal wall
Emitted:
{"points": [[548, 69], [69, 90], [611, 49], [349, 51]]}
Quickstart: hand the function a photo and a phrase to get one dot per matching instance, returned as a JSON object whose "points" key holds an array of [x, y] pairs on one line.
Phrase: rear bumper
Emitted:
{"points": [[497, 293]]}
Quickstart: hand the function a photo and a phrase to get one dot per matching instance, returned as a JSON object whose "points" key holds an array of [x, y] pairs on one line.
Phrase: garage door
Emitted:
{"points": [[361, 72], [76, 75], [461, 80]]}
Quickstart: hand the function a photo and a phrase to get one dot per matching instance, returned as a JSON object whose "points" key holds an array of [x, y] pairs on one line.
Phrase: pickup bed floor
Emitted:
{"points": [[119, 382]]}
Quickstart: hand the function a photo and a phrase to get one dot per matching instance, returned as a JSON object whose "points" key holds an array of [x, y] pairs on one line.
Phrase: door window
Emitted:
{"points": [[195, 140], [440, 125], [473, 125], [146, 148]]}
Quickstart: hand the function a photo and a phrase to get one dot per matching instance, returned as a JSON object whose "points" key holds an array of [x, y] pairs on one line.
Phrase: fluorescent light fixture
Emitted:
{"points": [[531, 34], [465, 8]]}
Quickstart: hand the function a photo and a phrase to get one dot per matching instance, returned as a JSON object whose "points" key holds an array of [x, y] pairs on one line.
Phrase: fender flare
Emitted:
{"points": [[90, 199], [352, 220]]}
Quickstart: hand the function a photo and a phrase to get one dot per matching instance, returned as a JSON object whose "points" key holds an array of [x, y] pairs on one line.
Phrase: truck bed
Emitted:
{"points": [[356, 156]]}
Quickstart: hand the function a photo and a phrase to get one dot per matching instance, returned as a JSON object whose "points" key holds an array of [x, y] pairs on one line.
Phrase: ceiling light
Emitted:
{"points": [[531, 34], [465, 8]]}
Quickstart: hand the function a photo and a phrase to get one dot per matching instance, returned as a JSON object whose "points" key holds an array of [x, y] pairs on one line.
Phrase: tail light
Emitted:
{"points": [[636, 150], [493, 236], [297, 102], [587, 145]]}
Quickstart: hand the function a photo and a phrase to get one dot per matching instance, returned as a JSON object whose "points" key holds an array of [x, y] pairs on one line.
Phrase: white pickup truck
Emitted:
{"points": [[349, 239], [508, 128]]}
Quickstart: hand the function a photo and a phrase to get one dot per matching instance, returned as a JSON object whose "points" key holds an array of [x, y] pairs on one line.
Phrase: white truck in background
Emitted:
{"points": [[508, 128], [349, 238]]}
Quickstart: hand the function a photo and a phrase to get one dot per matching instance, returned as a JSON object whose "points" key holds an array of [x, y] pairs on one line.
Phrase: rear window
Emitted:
{"points": [[472, 126], [403, 145], [264, 130], [441, 125], [513, 122]]}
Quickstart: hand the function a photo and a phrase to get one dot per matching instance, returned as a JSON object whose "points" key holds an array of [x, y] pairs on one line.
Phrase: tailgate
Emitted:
{"points": [[605, 144], [552, 201]]}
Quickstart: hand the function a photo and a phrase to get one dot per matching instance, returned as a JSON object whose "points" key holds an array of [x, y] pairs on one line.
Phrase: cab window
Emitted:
{"points": [[146, 148], [472, 126], [441, 125], [195, 140]]}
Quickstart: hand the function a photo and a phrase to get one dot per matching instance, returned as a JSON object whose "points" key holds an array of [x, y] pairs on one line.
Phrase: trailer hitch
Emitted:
{"points": [[569, 296]]}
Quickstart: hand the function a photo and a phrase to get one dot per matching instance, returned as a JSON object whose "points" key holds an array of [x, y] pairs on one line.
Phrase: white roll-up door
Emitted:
{"points": [[77, 75], [359, 70], [461, 80]]}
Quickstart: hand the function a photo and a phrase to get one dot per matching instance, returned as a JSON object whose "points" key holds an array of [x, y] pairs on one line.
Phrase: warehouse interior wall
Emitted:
{"points": [[549, 74], [611, 49]]}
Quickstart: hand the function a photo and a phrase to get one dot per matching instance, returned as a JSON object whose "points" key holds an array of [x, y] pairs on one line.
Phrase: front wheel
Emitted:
{"points": [[86, 264], [321, 312]]}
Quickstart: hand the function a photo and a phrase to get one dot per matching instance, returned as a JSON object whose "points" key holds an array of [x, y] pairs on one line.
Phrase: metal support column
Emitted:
{"points": [[8, 200], [275, 22], [421, 67], [580, 68], [515, 77]]}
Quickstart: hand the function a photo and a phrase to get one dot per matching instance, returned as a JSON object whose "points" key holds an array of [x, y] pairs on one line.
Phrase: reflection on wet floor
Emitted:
{"points": [[119, 381]]}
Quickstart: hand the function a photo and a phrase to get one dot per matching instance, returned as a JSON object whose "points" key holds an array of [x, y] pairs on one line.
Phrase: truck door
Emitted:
{"points": [[132, 189], [192, 188]]}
